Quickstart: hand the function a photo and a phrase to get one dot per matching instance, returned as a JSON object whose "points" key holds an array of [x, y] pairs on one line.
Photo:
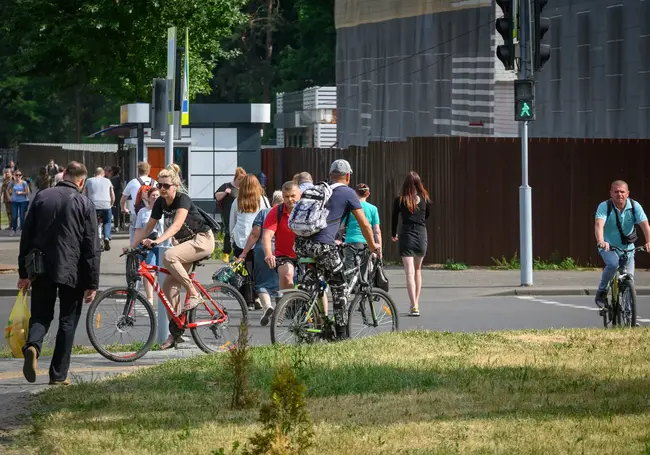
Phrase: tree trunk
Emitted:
{"points": [[269, 51]]}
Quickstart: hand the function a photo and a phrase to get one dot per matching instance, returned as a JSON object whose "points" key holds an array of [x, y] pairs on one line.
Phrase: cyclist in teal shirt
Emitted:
{"points": [[629, 213], [353, 233]]}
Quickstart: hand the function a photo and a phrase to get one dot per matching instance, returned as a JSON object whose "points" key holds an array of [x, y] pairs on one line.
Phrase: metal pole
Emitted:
{"points": [[140, 130], [525, 191], [163, 323], [171, 68], [169, 145]]}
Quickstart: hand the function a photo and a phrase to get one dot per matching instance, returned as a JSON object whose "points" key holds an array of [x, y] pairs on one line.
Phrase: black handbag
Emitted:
{"points": [[34, 264], [381, 281]]}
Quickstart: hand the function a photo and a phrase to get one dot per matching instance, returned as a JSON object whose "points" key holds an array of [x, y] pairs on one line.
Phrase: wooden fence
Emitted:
{"points": [[474, 185]]}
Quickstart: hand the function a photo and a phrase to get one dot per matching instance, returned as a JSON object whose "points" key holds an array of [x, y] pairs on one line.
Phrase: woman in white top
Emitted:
{"points": [[244, 210], [242, 215]]}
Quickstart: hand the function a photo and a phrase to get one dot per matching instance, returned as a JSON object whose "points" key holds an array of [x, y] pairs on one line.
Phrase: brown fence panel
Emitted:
{"points": [[474, 186]]}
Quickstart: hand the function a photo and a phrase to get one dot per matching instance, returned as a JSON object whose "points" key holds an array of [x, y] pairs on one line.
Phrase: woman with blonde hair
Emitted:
{"points": [[242, 214], [193, 240]]}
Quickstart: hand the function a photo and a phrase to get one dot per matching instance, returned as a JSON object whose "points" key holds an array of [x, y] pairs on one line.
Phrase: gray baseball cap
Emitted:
{"points": [[340, 167]]}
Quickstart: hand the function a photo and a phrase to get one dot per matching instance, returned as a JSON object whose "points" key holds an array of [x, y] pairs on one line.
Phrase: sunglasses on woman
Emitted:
{"points": [[165, 186], [18, 175]]}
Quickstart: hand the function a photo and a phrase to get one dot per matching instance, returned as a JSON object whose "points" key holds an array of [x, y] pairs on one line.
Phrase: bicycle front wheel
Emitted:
{"points": [[121, 324], [290, 323], [220, 317], [626, 314], [372, 314]]}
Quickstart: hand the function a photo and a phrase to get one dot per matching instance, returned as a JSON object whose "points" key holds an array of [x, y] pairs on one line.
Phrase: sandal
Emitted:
{"points": [[193, 302], [170, 342]]}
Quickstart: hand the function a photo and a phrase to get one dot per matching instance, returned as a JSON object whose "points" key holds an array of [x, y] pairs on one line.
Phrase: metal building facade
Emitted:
{"points": [[409, 68]]}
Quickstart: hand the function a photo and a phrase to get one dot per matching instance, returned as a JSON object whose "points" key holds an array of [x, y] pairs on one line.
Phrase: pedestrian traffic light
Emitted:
{"points": [[524, 100], [541, 52], [506, 27]]}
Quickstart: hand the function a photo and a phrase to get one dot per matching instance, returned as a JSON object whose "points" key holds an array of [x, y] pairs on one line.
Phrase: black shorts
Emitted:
{"points": [[281, 260]]}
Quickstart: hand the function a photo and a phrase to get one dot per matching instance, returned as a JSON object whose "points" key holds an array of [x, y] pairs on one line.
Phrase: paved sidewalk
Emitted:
{"points": [[447, 283]]}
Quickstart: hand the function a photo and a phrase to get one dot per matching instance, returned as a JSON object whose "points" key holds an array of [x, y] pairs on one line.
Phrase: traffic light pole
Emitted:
{"points": [[525, 191]]}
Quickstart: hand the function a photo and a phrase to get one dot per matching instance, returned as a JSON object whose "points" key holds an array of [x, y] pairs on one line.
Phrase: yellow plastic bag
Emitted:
{"points": [[18, 325]]}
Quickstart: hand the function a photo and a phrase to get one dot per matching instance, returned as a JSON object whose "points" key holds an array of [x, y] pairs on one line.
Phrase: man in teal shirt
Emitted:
{"points": [[353, 233], [629, 212]]}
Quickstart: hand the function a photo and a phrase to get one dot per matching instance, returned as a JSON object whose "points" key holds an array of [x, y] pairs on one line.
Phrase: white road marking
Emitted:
{"points": [[569, 305], [553, 302]]}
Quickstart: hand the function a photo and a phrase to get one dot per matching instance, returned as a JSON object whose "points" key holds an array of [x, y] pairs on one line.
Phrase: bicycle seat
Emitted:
{"points": [[307, 261]]}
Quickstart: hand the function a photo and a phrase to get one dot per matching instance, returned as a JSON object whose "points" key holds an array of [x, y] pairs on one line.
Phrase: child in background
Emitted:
{"points": [[149, 196]]}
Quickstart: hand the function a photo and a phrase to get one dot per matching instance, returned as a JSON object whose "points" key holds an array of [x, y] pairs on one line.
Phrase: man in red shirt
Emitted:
{"points": [[276, 224]]}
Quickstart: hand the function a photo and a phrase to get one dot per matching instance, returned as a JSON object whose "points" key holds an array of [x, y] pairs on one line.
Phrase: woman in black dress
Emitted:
{"points": [[413, 204]]}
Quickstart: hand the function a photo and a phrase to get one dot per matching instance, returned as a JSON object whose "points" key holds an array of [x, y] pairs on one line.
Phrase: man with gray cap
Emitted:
{"points": [[322, 246]]}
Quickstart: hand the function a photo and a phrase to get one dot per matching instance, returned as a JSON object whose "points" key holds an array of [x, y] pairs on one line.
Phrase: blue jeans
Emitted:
{"points": [[18, 209], [611, 264], [266, 279], [152, 257], [107, 217]]}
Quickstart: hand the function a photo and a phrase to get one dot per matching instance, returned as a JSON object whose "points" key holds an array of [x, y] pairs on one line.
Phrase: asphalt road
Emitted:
{"points": [[470, 315]]}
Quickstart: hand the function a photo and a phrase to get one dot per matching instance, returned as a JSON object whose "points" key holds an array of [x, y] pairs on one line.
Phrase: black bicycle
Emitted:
{"points": [[621, 308], [300, 315]]}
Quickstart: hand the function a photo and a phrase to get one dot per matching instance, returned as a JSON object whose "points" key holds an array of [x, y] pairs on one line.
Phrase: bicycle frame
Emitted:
{"points": [[356, 283], [145, 270], [621, 271]]}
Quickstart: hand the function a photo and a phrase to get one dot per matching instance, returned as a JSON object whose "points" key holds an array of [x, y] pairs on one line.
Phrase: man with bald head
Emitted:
{"points": [[615, 225], [100, 191]]}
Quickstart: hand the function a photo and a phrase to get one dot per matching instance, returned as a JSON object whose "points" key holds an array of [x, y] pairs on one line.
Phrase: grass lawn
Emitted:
{"points": [[524, 392]]}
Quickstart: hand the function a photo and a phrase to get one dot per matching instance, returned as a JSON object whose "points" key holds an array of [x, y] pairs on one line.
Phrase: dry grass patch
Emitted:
{"points": [[528, 392]]}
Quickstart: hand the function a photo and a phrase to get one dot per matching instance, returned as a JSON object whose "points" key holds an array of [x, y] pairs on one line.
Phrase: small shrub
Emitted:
{"points": [[506, 264], [451, 264], [218, 247], [287, 428], [239, 364], [555, 263]]}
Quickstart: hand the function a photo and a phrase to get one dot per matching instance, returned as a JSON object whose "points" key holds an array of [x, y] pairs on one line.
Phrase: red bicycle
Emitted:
{"points": [[123, 311]]}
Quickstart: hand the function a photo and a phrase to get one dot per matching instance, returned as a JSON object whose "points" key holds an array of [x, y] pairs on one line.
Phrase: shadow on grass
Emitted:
{"points": [[189, 399]]}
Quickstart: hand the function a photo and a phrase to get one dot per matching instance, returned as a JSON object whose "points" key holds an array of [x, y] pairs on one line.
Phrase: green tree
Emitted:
{"points": [[300, 52], [113, 48], [310, 60]]}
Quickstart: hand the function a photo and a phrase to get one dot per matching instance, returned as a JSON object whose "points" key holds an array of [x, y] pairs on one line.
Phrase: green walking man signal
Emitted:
{"points": [[524, 100]]}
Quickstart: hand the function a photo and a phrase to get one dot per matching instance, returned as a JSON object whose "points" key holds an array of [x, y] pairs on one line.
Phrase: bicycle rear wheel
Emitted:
{"points": [[123, 313], [289, 323], [626, 314], [222, 317], [374, 314]]}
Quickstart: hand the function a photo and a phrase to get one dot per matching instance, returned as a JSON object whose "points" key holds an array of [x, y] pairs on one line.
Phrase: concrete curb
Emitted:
{"points": [[556, 291], [532, 291]]}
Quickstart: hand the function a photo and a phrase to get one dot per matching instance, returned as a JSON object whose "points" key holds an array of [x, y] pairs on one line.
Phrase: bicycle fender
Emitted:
{"points": [[282, 292]]}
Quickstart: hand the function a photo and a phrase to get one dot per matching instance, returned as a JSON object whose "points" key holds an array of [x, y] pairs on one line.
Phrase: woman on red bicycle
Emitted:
{"points": [[190, 234]]}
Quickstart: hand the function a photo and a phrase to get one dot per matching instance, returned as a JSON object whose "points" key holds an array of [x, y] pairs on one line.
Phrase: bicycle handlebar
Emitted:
{"points": [[350, 246], [136, 251], [615, 248]]}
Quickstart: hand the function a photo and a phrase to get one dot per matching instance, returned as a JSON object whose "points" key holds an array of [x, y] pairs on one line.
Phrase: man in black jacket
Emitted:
{"points": [[62, 225]]}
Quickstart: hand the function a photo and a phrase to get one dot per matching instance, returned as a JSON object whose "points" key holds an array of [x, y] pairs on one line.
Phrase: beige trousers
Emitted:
{"points": [[178, 260]]}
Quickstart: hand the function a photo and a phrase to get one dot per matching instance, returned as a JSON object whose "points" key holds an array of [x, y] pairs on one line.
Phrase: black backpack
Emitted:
{"points": [[214, 226]]}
